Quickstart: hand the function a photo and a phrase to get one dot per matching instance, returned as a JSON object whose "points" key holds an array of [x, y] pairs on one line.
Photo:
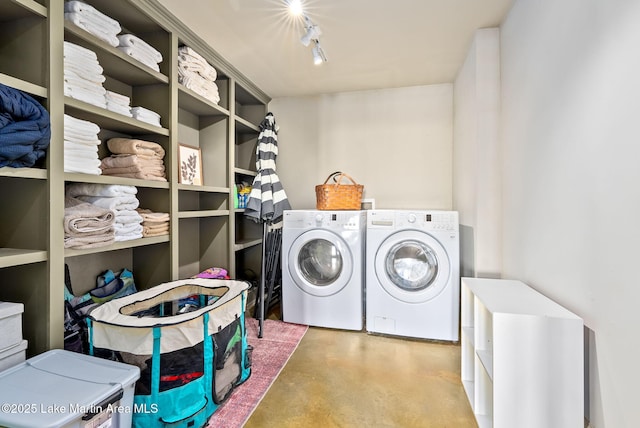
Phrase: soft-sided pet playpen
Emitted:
{"points": [[189, 339]]}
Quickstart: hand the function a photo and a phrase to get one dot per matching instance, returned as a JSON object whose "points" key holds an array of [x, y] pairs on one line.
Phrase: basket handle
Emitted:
{"points": [[338, 176]]}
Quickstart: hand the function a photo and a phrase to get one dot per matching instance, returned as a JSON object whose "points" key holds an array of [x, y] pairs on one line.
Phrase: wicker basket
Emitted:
{"points": [[338, 196]]}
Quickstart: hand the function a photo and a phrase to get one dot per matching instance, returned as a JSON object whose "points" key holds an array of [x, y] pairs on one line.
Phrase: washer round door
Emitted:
{"points": [[412, 266], [320, 263]]}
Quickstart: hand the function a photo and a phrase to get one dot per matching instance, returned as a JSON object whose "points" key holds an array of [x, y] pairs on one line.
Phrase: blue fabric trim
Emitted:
{"points": [[155, 364]]}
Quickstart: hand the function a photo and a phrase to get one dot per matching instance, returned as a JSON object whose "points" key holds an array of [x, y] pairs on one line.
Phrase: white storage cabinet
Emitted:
{"points": [[522, 357]]}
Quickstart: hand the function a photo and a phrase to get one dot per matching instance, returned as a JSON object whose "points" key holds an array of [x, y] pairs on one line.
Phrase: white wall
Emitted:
{"points": [[570, 131], [396, 142], [477, 172]]}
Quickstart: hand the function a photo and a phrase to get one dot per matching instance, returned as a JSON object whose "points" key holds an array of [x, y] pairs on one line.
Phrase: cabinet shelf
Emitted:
{"points": [[243, 126], [108, 179], [116, 64], [204, 230], [247, 243], [246, 172], [70, 252], [197, 104], [17, 9], [36, 173], [203, 213], [110, 120], [210, 189], [24, 86], [15, 257]]}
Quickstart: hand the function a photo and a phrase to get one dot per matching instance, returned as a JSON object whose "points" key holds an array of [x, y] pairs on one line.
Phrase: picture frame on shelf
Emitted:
{"points": [[189, 165]]}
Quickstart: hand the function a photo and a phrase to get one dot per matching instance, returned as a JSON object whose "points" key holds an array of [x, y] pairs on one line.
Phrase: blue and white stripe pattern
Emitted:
{"points": [[267, 199]]}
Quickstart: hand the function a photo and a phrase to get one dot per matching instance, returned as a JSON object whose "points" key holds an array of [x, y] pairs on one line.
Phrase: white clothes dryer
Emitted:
{"points": [[323, 268], [413, 274]]}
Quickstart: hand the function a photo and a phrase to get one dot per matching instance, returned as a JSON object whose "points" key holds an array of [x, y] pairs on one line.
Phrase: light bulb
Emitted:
{"points": [[295, 7], [317, 58]]}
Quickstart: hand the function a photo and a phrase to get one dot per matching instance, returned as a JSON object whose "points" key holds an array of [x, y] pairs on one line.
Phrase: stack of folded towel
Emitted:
{"points": [[134, 159], [87, 225], [154, 223], [140, 50], [195, 73], [83, 75], [25, 129], [120, 199], [146, 115], [81, 146], [93, 21], [118, 103]]}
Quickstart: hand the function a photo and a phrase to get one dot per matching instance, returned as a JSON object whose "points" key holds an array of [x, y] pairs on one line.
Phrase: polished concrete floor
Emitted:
{"points": [[350, 379]]}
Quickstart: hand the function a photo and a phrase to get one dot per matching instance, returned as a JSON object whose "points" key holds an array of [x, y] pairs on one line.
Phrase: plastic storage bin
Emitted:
{"points": [[10, 324], [13, 355], [64, 389]]}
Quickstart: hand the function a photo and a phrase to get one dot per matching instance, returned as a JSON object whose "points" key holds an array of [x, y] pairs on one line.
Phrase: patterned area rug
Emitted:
{"points": [[270, 354]]}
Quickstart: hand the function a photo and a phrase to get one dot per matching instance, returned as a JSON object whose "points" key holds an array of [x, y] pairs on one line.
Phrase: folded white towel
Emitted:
{"points": [[71, 50], [80, 125], [115, 203], [190, 60], [117, 108], [74, 81], [118, 98], [80, 138], [88, 10], [81, 166], [146, 115], [140, 57], [201, 86], [128, 217], [85, 96], [104, 190], [141, 45], [73, 154], [84, 69], [71, 146], [94, 26]]}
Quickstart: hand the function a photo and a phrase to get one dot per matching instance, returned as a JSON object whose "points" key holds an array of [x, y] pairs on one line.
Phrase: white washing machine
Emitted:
{"points": [[323, 268], [413, 274]]}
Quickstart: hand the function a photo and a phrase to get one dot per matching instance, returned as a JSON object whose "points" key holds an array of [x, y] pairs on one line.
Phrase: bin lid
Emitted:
{"points": [[58, 387], [8, 309]]}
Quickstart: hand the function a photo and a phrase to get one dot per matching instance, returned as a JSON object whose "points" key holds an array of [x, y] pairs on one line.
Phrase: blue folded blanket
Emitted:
{"points": [[25, 129]]}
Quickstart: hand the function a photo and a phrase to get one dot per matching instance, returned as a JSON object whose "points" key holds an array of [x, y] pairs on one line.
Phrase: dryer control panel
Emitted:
{"points": [[405, 219]]}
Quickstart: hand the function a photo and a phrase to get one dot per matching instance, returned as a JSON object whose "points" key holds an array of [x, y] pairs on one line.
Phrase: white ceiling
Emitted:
{"points": [[370, 44]]}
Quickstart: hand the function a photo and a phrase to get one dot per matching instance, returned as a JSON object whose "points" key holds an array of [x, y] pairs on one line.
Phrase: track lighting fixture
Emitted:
{"points": [[312, 31]]}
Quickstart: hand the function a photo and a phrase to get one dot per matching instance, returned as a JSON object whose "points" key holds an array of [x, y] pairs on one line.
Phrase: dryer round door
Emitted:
{"points": [[412, 266], [320, 263]]}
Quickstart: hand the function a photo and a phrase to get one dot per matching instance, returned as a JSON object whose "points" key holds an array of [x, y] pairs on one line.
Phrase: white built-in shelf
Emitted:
{"points": [[23, 85], [16, 257], [36, 173], [247, 172], [70, 252], [247, 243], [203, 213], [521, 356]]}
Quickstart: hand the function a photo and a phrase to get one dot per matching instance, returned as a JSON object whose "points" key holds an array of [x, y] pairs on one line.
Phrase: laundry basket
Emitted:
{"points": [[189, 339], [338, 195]]}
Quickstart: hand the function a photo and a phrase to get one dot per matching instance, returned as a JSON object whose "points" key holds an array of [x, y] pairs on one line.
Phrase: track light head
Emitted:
{"points": [[318, 54], [313, 32]]}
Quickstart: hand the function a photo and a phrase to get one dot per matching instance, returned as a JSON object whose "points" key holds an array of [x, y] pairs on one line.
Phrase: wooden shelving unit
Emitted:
{"points": [[205, 229]]}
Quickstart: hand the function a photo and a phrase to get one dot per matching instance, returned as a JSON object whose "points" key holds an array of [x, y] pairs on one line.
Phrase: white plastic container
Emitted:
{"points": [[13, 355], [63, 389], [10, 324]]}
